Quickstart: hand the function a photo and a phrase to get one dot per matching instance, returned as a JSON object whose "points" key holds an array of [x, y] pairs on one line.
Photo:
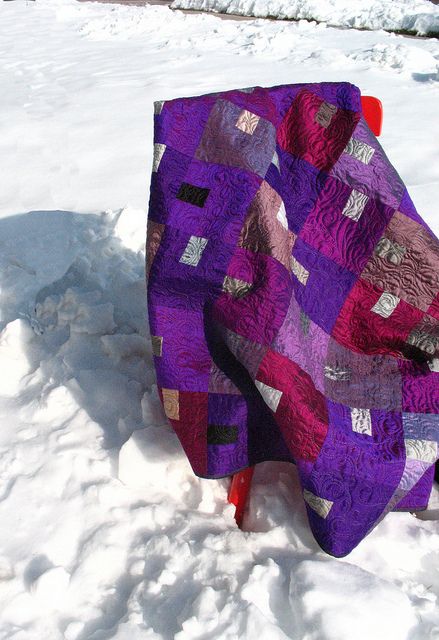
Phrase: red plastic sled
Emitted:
{"points": [[241, 481], [373, 113]]}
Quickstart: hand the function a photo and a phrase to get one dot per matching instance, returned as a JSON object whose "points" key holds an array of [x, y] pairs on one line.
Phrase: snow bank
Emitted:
{"points": [[415, 16], [104, 530]]}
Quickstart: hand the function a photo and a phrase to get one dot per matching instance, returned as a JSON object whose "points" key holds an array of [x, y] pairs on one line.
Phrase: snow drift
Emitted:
{"points": [[413, 16]]}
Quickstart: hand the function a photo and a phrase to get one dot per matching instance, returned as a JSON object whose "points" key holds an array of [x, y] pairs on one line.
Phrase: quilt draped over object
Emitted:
{"points": [[293, 300]]}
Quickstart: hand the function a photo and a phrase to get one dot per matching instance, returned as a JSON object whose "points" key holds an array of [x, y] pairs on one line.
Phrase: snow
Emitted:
{"points": [[415, 16], [104, 530]]}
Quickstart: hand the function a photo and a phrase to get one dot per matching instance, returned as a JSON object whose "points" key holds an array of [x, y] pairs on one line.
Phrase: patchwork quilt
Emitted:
{"points": [[293, 300]]}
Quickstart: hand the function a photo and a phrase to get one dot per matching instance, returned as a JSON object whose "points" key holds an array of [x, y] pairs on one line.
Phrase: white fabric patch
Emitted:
{"points": [[319, 505], [355, 205], [247, 122], [158, 106], [159, 150], [237, 288], [282, 216], [271, 396], [390, 251], [194, 250], [157, 345], [299, 271], [413, 471], [424, 450], [361, 421], [325, 114], [360, 150], [337, 373], [386, 304], [423, 340], [433, 365]]}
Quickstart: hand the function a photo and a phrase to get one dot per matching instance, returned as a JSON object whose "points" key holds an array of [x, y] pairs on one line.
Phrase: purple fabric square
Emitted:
{"points": [[377, 179], [183, 285], [165, 184], [221, 217], [358, 379], [185, 362], [182, 122], [224, 458], [299, 187], [386, 438], [283, 95], [303, 342], [233, 146], [340, 93], [327, 286], [357, 483]]}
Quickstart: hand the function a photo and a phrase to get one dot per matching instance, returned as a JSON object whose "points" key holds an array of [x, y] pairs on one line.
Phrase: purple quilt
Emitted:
{"points": [[293, 298]]}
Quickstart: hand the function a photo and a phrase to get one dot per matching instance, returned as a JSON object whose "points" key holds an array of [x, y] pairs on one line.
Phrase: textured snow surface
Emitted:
{"points": [[104, 530], [417, 16]]}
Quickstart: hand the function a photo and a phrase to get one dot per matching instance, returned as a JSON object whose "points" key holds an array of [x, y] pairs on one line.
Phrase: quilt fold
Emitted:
{"points": [[293, 301]]}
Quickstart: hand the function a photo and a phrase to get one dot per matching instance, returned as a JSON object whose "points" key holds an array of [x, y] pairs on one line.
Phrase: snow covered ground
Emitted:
{"points": [[415, 16], [104, 530]]}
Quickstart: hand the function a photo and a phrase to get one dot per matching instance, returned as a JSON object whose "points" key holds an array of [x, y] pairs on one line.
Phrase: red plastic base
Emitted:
{"points": [[241, 481]]}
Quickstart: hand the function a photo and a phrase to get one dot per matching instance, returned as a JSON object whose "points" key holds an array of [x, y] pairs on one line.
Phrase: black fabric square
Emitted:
{"points": [[221, 434], [192, 194]]}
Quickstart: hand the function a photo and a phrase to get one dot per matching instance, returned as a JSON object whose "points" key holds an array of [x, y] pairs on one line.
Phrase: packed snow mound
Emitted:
{"points": [[105, 531], [415, 16]]}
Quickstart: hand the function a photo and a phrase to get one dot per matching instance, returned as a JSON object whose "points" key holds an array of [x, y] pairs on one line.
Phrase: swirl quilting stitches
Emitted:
{"points": [[293, 301]]}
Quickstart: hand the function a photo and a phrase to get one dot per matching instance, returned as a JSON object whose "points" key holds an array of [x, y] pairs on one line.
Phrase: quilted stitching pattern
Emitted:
{"points": [[293, 299]]}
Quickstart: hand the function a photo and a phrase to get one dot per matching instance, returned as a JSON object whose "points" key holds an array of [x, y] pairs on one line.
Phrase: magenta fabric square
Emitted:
{"points": [[373, 320], [317, 140], [254, 99], [420, 391], [266, 279], [348, 242]]}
